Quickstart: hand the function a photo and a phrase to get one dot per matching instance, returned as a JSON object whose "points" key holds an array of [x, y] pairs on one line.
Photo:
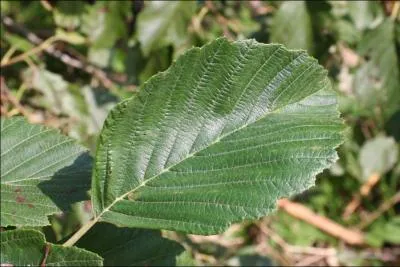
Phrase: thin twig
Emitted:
{"points": [[44, 45], [303, 213], [78, 234], [395, 10], [5, 92], [365, 189], [352, 206], [310, 261], [8, 54], [65, 58], [385, 206], [216, 239], [264, 246], [330, 254]]}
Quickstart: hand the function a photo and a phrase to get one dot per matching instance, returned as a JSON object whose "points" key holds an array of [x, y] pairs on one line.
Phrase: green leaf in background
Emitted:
{"points": [[42, 172], [377, 81], [378, 155], [291, 26], [347, 32], [17, 42], [104, 22], [55, 90], [384, 231], [129, 246], [67, 14], [29, 248], [70, 37], [98, 103], [217, 138], [86, 107], [364, 13], [155, 31]]}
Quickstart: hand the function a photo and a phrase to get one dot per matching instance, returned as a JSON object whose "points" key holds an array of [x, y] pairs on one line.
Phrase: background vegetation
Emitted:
{"points": [[65, 64]]}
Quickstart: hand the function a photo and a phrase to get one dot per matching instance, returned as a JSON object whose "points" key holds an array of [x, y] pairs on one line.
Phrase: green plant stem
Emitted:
{"points": [[75, 237], [8, 54], [47, 43]]}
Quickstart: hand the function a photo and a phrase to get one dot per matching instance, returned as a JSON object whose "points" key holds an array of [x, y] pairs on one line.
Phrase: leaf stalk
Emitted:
{"points": [[75, 237]]}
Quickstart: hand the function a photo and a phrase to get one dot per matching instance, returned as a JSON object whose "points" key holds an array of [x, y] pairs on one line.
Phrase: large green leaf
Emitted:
{"points": [[130, 247], [163, 23], [29, 248], [292, 27], [217, 138], [42, 172]]}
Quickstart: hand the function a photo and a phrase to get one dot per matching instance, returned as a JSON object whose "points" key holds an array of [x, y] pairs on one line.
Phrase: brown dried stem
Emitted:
{"points": [[303, 213]]}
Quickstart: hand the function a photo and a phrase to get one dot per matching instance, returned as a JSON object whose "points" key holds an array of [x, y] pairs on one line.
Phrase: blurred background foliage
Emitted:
{"points": [[65, 64]]}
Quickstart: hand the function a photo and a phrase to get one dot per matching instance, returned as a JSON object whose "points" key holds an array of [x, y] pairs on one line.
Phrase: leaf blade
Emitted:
{"points": [[42, 172], [295, 32], [29, 248], [184, 116]]}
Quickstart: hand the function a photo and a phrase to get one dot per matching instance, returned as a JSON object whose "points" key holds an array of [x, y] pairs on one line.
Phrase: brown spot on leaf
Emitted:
{"points": [[20, 199], [87, 206], [31, 205], [103, 10], [18, 190]]}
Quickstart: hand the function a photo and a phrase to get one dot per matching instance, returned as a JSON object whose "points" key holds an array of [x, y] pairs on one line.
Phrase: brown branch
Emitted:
{"points": [[395, 10], [263, 247], [385, 206], [65, 58], [294, 255], [303, 213], [365, 189], [24, 56], [6, 95]]}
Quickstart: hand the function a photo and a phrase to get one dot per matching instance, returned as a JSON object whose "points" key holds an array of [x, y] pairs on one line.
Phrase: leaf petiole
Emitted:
{"points": [[75, 237]]}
